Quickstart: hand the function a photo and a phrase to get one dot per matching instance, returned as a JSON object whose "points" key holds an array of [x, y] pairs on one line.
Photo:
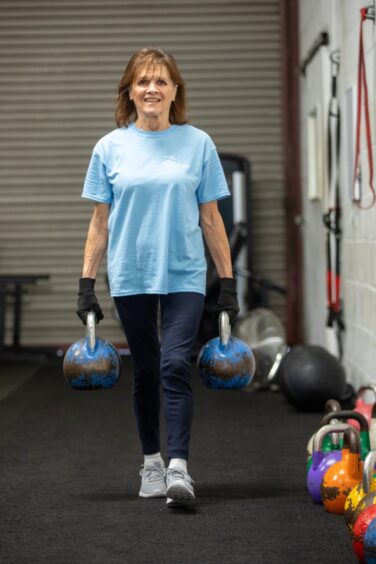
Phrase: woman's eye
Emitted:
{"points": [[162, 82], [142, 82]]}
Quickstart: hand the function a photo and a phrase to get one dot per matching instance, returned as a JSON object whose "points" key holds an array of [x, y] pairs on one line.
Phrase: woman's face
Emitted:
{"points": [[153, 92]]}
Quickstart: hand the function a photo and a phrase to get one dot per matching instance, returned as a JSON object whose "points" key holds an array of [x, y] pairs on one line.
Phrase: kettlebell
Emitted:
{"points": [[322, 461], [361, 406], [91, 363], [226, 362], [362, 426], [343, 475], [369, 543], [360, 529], [359, 492]]}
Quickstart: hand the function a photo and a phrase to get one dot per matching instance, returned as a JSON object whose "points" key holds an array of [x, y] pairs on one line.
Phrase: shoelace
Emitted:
{"points": [[152, 473], [176, 473]]}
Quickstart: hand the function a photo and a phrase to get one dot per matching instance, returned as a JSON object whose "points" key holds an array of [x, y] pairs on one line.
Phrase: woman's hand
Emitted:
{"points": [[87, 300], [228, 298]]}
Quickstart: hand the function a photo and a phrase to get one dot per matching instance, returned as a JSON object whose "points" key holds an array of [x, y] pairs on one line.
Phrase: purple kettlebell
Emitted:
{"points": [[322, 461]]}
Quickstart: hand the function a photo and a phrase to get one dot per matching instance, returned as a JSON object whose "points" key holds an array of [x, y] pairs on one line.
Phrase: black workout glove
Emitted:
{"points": [[227, 299], [87, 300]]}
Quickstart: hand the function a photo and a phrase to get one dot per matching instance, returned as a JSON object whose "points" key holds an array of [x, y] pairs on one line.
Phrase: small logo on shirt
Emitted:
{"points": [[171, 162]]}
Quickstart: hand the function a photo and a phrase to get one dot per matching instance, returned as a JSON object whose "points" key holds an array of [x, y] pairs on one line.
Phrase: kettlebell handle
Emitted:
{"points": [[368, 467], [224, 328], [351, 436], [353, 440], [332, 405], [365, 388], [90, 330], [329, 428], [283, 349], [347, 414]]}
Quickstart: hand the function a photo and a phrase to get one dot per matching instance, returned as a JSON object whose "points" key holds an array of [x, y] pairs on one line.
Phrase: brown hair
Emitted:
{"points": [[125, 109]]}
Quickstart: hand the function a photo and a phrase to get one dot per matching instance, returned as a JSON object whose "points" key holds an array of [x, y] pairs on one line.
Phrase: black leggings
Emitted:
{"points": [[169, 362]]}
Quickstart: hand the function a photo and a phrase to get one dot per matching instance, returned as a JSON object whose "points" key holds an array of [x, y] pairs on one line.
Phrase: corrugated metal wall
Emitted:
{"points": [[60, 64]]}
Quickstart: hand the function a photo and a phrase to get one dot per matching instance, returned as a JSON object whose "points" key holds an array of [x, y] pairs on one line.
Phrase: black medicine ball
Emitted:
{"points": [[309, 375]]}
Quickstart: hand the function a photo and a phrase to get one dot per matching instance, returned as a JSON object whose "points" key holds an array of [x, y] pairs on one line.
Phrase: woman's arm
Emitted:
{"points": [[96, 242], [216, 238]]}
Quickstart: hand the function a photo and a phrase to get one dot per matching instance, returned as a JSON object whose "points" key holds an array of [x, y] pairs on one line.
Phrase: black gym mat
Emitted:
{"points": [[69, 482]]}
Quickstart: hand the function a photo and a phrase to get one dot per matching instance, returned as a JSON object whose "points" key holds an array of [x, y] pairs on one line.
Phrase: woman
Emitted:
{"points": [[155, 180]]}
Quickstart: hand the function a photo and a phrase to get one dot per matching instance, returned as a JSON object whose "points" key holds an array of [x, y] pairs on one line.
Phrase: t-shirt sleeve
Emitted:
{"points": [[96, 185], [213, 185]]}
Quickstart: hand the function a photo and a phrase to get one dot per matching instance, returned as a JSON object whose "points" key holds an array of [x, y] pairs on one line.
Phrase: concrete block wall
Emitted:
{"points": [[341, 19]]}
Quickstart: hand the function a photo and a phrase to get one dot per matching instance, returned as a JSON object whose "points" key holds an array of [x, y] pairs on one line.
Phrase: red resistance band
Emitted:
{"points": [[332, 218], [333, 271], [333, 300], [362, 86]]}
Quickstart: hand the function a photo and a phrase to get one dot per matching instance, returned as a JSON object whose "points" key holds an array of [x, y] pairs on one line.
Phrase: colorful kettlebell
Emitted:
{"points": [[322, 461], [342, 476], [362, 422], [367, 486], [91, 363], [360, 530], [369, 543], [226, 362], [361, 406]]}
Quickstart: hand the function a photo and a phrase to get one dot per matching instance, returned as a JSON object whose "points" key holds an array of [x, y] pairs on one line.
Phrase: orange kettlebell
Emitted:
{"points": [[344, 475]]}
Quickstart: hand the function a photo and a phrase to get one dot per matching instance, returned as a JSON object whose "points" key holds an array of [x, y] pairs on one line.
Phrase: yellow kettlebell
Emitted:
{"points": [[367, 485]]}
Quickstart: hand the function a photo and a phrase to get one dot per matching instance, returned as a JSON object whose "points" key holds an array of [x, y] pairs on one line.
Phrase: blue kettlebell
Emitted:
{"points": [[369, 543], [91, 363], [226, 362]]}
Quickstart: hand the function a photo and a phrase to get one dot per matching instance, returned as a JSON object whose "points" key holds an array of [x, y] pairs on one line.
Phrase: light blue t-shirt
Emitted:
{"points": [[155, 181]]}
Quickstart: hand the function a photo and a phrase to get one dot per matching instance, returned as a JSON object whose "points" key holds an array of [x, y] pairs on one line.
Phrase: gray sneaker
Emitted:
{"points": [[153, 483], [179, 491]]}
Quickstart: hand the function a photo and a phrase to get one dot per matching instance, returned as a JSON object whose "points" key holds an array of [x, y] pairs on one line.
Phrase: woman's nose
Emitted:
{"points": [[152, 87]]}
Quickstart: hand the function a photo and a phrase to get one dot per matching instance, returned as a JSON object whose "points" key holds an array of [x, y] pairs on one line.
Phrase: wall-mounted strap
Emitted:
{"points": [[332, 217], [363, 91]]}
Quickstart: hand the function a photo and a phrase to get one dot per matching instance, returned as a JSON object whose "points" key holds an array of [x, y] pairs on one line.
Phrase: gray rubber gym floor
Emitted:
{"points": [[69, 481]]}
